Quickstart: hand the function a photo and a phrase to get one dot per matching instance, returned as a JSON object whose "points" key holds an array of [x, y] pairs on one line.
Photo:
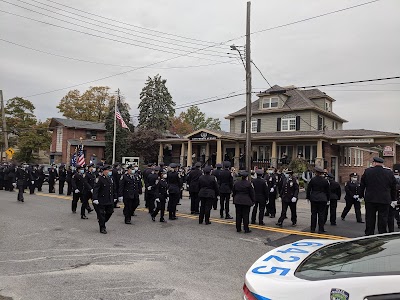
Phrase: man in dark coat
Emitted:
{"points": [[129, 193], [318, 193], [80, 187], [378, 188], [174, 188], [352, 197], [41, 178], [261, 197], [216, 173], [272, 180], [288, 189], [397, 207], [116, 175], [53, 176], [33, 176], [193, 182], [336, 193], [145, 174], [225, 182], [243, 198], [161, 197], [104, 193], [62, 176], [68, 179], [22, 176], [152, 180], [208, 191]]}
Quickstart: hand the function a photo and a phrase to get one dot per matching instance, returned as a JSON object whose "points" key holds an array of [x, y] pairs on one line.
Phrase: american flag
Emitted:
{"points": [[80, 155], [73, 160], [120, 119]]}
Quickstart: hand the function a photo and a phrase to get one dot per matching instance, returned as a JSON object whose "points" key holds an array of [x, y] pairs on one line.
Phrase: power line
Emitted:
{"points": [[102, 63], [348, 82], [99, 25]]}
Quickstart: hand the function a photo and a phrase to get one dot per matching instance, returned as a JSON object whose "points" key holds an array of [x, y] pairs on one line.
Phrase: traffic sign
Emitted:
{"points": [[10, 152]]}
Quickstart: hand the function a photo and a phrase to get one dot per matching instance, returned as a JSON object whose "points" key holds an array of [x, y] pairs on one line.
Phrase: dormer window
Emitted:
{"points": [[270, 102]]}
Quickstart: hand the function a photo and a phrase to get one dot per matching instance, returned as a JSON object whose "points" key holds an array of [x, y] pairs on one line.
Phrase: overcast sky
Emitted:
{"points": [[356, 44]]}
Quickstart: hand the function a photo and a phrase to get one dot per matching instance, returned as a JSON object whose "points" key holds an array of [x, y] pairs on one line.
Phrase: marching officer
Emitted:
{"points": [[161, 197], [152, 180], [90, 178], [225, 182], [394, 205], [261, 197], [104, 195], [22, 176], [129, 187], [53, 176], [146, 173], [396, 215], [318, 193], [352, 197], [68, 179], [208, 192], [335, 194], [216, 173], [272, 180], [33, 176], [41, 178], [289, 191], [243, 198], [174, 188], [79, 185], [193, 182], [378, 188], [116, 174], [62, 175]]}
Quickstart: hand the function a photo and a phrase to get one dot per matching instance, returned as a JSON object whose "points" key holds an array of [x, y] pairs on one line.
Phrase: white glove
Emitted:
{"points": [[91, 191], [279, 199], [328, 203], [157, 200], [120, 199], [115, 200], [96, 202], [355, 196], [359, 199], [294, 199], [32, 182], [393, 204], [149, 188], [271, 190], [77, 191], [14, 184]]}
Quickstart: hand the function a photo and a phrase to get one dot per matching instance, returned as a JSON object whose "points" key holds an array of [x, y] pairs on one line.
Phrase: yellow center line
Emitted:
{"points": [[219, 221]]}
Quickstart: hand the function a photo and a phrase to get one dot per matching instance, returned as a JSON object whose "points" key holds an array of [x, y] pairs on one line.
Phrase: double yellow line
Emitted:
{"points": [[223, 221]]}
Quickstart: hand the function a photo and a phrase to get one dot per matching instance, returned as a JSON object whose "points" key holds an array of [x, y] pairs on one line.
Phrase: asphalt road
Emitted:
{"points": [[46, 252]]}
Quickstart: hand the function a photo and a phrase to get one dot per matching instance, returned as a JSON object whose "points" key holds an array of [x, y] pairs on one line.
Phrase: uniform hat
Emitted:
{"points": [[227, 164], [207, 169], [353, 174], [150, 164], [396, 172], [319, 169], [106, 167], [198, 165], [378, 160], [157, 168], [90, 165], [243, 173], [173, 165], [218, 165], [259, 172], [330, 175]]}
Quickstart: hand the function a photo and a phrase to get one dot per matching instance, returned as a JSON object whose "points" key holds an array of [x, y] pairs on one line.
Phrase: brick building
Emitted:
{"points": [[67, 134], [287, 123]]}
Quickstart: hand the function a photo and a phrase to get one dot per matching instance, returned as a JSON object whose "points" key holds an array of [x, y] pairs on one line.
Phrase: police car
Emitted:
{"points": [[366, 268]]}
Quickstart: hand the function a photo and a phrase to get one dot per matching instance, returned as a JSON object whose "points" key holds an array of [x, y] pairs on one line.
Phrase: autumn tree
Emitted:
{"points": [[92, 105], [156, 106], [197, 119], [180, 126], [19, 115]]}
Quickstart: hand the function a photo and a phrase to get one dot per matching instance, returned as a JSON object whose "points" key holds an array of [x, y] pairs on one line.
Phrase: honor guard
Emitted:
{"points": [[152, 180], [22, 177], [225, 183], [174, 188], [352, 197], [104, 195], [90, 178], [208, 191], [161, 192], [261, 192], [41, 178], [129, 187], [243, 198], [80, 187], [272, 180], [336, 193], [116, 175], [216, 173], [53, 176], [396, 215], [193, 182], [62, 176], [289, 191], [33, 176], [145, 174]]}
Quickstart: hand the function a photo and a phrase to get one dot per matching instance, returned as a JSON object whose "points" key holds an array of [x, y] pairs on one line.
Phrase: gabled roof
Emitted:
{"points": [[70, 123], [297, 100]]}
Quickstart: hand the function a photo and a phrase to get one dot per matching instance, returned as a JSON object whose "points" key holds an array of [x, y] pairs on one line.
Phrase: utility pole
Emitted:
{"points": [[115, 127], [248, 93], [4, 124]]}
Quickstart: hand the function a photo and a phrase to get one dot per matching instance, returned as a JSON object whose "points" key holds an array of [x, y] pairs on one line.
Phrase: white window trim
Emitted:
{"points": [[287, 119], [251, 126], [269, 100]]}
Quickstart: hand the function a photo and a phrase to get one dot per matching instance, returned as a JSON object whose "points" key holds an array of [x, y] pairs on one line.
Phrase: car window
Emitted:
{"points": [[364, 257]]}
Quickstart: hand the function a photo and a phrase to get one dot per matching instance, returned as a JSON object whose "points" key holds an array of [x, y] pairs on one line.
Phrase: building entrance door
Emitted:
{"points": [[334, 167]]}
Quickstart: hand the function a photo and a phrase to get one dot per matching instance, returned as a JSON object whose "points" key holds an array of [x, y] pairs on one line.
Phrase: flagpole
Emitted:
{"points": [[115, 128]]}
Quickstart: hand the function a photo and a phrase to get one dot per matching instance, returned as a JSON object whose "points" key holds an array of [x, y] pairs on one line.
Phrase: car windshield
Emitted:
{"points": [[365, 257]]}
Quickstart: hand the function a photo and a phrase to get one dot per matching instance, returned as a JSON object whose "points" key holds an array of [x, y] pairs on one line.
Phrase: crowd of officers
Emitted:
{"points": [[163, 187]]}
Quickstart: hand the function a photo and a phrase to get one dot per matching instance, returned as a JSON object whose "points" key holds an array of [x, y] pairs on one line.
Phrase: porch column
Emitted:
{"points": [[161, 153], [207, 151], [182, 158], [319, 160], [274, 155], [219, 151], [237, 156], [189, 154]]}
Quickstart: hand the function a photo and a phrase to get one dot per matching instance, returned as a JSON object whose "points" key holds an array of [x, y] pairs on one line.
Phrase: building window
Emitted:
{"points": [[254, 126], [307, 152], [321, 122], [270, 103], [334, 125], [288, 123], [91, 134], [327, 106], [358, 158]]}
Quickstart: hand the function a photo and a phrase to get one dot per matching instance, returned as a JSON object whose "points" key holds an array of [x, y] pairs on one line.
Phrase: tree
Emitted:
{"points": [[180, 126], [142, 143], [122, 138], [156, 106], [19, 115], [92, 105], [198, 119]]}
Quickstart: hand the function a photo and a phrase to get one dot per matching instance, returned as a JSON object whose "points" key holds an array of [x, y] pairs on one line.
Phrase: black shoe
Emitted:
{"points": [[342, 218], [84, 217], [22, 200], [128, 221], [74, 211], [360, 221], [294, 224], [173, 218], [312, 230], [222, 216], [163, 221], [192, 212], [321, 231], [261, 223], [89, 211], [215, 208], [196, 212], [208, 223], [247, 231], [103, 230], [253, 222], [228, 217], [153, 219], [238, 230], [272, 216], [333, 224], [279, 224], [200, 222]]}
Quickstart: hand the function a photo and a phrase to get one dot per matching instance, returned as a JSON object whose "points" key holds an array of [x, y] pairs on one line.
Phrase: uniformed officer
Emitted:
{"points": [[352, 197], [216, 172], [62, 175], [335, 194], [161, 197], [2, 167], [41, 178], [22, 176], [145, 174], [208, 191], [152, 180], [272, 180], [318, 193], [243, 198], [53, 176], [116, 174], [79, 185], [378, 188], [129, 193], [68, 179], [225, 183], [261, 192], [104, 195], [90, 178], [193, 182], [394, 205], [32, 170], [174, 188], [396, 215], [288, 189], [9, 177]]}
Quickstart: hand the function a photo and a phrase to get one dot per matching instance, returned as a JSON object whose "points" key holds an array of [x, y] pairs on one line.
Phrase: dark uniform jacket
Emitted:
{"points": [[378, 185], [22, 176], [193, 180], [243, 193], [225, 181], [152, 180], [79, 182], [272, 181], [68, 177], [104, 190], [288, 188], [318, 189], [161, 190], [129, 186], [53, 175], [62, 174], [146, 174], [336, 190], [398, 191], [352, 189], [261, 190], [90, 179], [208, 186], [174, 182]]}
